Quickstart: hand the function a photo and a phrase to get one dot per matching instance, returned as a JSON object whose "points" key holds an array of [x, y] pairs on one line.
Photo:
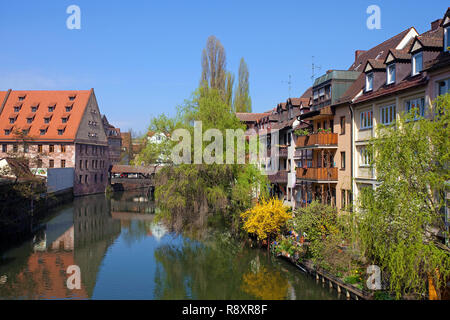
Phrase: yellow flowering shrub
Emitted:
{"points": [[266, 218]]}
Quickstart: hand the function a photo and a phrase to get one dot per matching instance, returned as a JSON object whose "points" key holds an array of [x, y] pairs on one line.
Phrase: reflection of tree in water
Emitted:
{"points": [[208, 270], [265, 285]]}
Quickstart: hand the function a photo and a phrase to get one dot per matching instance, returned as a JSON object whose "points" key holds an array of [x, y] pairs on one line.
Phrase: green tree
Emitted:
{"points": [[242, 100], [214, 63], [398, 220]]}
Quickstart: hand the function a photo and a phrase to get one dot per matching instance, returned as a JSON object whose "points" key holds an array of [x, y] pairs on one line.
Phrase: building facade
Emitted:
{"points": [[57, 129]]}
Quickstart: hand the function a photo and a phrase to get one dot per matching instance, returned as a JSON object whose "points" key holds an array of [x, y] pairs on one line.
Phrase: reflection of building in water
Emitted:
{"points": [[94, 231], [133, 201], [39, 268], [80, 235]]}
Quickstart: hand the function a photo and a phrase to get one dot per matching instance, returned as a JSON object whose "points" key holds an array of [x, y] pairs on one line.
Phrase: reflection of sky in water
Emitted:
{"points": [[124, 254], [128, 272]]}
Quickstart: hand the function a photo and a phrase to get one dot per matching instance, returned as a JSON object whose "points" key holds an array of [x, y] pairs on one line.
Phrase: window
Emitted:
{"points": [[7, 132], [80, 180], [342, 125], [81, 164], [68, 108], [40, 148], [51, 148], [51, 163], [60, 132], [25, 148], [43, 131], [21, 98], [46, 120], [446, 39], [86, 164], [417, 63], [12, 120], [418, 104], [95, 178], [343, 198], [64, 120], [15, 148], [366, 119], [444, 87], [4, 148], [16, 108], [342, 160], [72, 97], [33, 109], [63, 163], [369, 81], [86, 179], [387, 114], [51, 108], [390, 74], [30, 119], [63, 148], [39, 163], [316, 95], [365, 158]]}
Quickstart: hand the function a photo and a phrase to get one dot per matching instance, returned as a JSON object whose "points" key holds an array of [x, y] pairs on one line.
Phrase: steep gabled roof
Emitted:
{"points": [[42, 100], [250, 117], [377, 53]]}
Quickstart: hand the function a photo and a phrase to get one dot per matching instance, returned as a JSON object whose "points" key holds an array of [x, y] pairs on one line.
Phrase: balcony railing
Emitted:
{"points": [[317, 140], [283, 152], [279, 177], [317, 174]]}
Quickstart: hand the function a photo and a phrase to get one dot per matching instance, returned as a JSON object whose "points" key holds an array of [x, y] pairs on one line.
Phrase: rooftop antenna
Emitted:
{"points": [[314, 68], [289, 82]]}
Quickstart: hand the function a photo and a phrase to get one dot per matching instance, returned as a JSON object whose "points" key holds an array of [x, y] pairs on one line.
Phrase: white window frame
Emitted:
{"points": [[364, 158], [366, 121], [390, 75], [316, 95], [418, 103], [415, 70], [369, 76], [388, 114]]}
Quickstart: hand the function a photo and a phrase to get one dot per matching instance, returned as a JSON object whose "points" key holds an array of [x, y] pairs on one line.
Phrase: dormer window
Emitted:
{"points": [[7, 132], [30, 118], [390, 72], [17, 107], [417, 63], [68, 108], [369, 81], [47, 118], [72, 97], [22, 97], [51, 108], [43, 130], [33, 109]]}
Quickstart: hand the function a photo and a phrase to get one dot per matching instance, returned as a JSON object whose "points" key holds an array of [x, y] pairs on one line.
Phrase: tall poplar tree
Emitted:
{"points": [[242, 101]]}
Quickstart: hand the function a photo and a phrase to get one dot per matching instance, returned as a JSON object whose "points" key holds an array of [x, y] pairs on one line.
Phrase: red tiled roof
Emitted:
{"points": [[250, 117], [45, 99]]}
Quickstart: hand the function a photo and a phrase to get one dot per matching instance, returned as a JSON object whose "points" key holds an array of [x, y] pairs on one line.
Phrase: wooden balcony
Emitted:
{"points": [[317, 140], [317, 174]]}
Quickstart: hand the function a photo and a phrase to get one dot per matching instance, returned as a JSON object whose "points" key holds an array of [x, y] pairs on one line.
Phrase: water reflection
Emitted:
{"points": [[124, 254]]}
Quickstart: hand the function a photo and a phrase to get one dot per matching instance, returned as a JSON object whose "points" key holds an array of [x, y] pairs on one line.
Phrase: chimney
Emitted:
{"points": [[436, 24], [328, 71], [358, 53]]}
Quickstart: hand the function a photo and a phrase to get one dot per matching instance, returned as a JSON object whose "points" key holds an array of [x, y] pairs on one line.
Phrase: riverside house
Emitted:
{"points": [[57, 129]]}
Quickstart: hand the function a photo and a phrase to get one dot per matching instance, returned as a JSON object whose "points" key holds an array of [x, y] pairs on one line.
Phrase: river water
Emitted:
{"points": [[122, 253]]}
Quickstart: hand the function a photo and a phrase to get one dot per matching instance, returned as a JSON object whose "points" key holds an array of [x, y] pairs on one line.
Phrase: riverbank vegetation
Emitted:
{"points": [[398, 226], [188, 194]]}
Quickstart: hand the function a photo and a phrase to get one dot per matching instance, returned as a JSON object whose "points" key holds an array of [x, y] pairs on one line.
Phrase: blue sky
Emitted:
{"points": [[143, 57]]}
